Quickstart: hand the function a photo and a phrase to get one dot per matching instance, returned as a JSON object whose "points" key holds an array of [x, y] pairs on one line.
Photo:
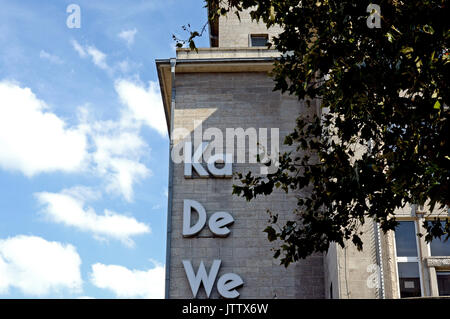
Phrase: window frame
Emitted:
{"points": [[437, 272], [429, 246], [251, 35], [434, 274], [405, 259]]}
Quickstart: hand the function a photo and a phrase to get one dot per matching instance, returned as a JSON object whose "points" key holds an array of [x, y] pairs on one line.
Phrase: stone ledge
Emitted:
{"points": [[443, 261], [238, 52]]}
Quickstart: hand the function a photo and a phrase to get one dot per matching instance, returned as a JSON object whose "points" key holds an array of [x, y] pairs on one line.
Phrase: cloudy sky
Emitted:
{"points": [[84, 146]]}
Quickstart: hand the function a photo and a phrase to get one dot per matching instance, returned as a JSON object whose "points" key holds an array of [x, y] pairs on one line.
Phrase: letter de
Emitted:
{"points": [[217, 223], [189, 230]]}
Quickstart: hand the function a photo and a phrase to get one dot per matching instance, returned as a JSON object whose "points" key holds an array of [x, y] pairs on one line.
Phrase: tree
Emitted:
{"points": [[384, 91]]}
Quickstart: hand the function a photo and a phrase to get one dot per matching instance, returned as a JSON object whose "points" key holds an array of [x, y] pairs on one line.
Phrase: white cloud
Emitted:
{"points": [[126, 283], [70, 211], [125, 174], [82, 193], [144, 104], [124, 66], [38, 267], [117, 156], [127, 66], [50, 57], [98, 57], [82, 53], [118, 146], [128, 36], [34, 140]]}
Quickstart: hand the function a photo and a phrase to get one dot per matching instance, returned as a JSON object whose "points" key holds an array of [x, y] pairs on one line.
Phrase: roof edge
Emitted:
{"points": [[210, 65]]}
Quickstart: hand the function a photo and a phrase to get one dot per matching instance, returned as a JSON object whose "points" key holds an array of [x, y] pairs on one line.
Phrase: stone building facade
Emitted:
{"points": [[224, 88]]}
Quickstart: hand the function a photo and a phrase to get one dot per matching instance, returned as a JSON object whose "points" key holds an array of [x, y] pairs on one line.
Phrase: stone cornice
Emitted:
{"points": [[438, 262]]}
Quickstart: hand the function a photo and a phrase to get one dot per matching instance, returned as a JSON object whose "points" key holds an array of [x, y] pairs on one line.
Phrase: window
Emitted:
{"points": [[439, 247], [409, 279], [258, 40], [407, 260], [405, 239], [443, 279]]}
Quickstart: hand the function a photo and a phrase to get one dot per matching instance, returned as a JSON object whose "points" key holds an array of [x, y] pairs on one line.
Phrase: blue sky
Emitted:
{"points": [[84, 147]]}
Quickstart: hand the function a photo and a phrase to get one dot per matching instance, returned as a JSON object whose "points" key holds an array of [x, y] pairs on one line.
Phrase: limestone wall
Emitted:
{"points": [[232, 100]]}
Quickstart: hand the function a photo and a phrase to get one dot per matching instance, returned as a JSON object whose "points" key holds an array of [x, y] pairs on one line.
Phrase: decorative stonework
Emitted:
{"points": [[438, 262]]}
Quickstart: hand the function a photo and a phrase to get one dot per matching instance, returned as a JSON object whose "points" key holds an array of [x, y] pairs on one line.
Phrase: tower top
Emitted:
{"points": [[231, 32]]}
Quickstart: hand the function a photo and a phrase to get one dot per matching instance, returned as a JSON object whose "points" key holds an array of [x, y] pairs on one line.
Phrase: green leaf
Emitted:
{"points": [[271, 234], [407, 50], [437, 105], [428, 29], [277, 254], [390, 37]]}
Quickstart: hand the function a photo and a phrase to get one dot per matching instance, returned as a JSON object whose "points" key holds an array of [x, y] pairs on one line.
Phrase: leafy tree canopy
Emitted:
{"points": [[381, 138]]}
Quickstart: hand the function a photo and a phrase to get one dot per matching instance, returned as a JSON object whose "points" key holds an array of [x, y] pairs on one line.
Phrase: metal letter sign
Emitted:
{"points": [[193, 162], [226, 285], [217, 222], [219, 166]]}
